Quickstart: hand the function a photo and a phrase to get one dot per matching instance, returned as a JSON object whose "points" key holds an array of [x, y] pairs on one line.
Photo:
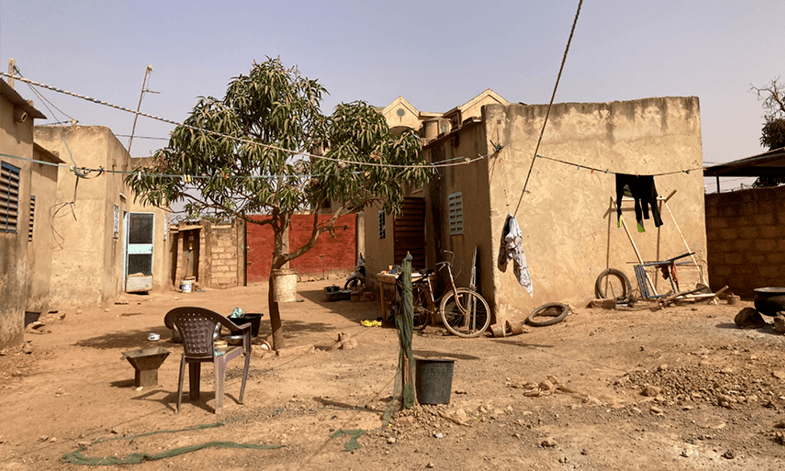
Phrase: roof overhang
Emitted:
{"points": [[767, 164], [16, 99], [48, 155]]}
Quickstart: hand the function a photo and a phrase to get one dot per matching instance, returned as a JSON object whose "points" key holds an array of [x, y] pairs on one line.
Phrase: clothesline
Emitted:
{"points": [[611, 172]]}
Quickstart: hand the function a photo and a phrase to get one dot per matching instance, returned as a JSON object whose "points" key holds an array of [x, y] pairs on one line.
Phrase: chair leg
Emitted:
{"points": [[180, 383], [245, 375], [194, 376], [219, 367]]}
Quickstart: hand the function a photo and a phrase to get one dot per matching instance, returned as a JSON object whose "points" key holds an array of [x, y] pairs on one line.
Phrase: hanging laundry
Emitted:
{"points": [[512, 249], [645, 193]]}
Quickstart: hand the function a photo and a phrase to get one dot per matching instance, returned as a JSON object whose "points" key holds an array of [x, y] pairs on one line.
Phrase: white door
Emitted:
{"points": [[140, 228]]}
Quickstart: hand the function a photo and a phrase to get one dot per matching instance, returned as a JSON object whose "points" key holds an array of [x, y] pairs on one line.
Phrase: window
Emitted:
{"points": [[9, 197], [382, 226], [32, 219], [455, 208], [116, 226]]}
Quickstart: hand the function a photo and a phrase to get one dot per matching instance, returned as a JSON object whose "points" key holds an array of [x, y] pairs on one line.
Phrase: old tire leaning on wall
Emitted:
{"points": [[552, 313], [607, 280]]}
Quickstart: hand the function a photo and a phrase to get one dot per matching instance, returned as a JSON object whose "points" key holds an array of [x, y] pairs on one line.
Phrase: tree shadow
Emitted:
{"points": [[352, 311], [130, 339]]}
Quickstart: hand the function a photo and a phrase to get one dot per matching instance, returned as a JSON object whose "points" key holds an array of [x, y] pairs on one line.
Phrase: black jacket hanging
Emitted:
{"points": [[642, 189]]}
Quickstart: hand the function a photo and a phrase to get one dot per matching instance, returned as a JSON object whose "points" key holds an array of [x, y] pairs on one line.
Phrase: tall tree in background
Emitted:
{"points": [[773, 132], [269, 121]]}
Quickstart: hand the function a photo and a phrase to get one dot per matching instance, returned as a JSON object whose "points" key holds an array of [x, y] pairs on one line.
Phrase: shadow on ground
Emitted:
{"points": [[434, 354], [131, 339], [763, 329]]}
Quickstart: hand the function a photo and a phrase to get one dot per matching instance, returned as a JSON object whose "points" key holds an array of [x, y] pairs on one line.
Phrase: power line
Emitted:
{"points": [[463, 161], [144, 137], [44, 100]]}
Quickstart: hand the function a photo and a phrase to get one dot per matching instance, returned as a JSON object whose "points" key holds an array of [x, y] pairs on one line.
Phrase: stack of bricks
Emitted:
{"points": [[745, 232]]}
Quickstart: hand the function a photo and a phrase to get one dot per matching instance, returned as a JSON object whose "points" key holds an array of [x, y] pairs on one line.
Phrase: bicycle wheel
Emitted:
{"points": [[422, 315], [466, 316], [613, 283]]}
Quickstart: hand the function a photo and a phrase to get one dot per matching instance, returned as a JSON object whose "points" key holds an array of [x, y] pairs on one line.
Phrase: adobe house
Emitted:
{"points": [[25, 188], [568, 224], [746, 229], [106, 242]]}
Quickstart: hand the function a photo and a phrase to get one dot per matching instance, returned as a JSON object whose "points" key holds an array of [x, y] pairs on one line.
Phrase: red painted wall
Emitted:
{"points": [[329, 254]]}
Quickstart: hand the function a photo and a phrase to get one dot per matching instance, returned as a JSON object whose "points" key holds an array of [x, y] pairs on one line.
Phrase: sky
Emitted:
{"points": [[436, 54]]}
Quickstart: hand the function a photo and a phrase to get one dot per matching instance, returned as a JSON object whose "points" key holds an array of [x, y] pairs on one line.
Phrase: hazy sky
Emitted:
{"points": [[437, 54]]}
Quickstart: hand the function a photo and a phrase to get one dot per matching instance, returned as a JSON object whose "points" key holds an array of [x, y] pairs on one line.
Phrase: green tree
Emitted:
{"points": [[772, 136], [270, 151]]}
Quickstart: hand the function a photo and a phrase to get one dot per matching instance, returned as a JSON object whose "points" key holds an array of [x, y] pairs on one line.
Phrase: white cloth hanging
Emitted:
{"points": [[512, 249]]}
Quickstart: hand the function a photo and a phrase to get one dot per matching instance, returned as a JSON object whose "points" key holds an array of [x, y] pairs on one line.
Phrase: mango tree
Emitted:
{"points": [[267, 149]]}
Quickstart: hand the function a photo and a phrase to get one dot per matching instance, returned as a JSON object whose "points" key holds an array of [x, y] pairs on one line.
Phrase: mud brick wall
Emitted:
{"points": [[745, 233]]}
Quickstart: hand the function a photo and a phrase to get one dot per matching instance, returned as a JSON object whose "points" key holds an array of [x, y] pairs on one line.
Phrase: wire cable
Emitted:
{"points": [[465, 161], [553, 96]]}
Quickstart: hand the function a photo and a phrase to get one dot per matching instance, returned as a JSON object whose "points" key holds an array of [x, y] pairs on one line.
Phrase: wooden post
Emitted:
{"points": [[11, 71], [692, 256], [635, 248]]}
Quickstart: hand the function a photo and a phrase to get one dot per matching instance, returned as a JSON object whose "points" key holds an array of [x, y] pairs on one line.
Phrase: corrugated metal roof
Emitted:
{"points": [[771, 163]]}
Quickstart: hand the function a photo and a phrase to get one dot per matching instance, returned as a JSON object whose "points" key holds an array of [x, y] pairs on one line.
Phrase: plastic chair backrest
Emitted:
{"points": [[196, 326]]}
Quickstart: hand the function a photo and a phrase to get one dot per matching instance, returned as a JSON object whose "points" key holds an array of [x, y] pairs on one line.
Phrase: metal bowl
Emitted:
{"points": [[234, 339], [769, 301]]}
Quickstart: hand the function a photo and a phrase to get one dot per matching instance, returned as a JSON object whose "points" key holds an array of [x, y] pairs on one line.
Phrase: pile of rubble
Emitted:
{"points": [[700, 384]]}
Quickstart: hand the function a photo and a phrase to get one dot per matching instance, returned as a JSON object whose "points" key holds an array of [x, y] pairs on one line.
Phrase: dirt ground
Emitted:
{"points": [[677, 389]]}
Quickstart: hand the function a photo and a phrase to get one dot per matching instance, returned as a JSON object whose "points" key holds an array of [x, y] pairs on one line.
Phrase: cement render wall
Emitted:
{"points": [[87, 264], [39, 250], [15, 139], [569, 235], [746, 239]]}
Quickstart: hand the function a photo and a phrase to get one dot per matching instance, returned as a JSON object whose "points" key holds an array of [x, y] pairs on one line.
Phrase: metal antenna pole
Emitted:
{"points": [[147, 72]]}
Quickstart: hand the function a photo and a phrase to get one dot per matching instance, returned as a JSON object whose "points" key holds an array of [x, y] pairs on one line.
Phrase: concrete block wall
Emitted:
{"points": [[745, 233], [224, 259]]}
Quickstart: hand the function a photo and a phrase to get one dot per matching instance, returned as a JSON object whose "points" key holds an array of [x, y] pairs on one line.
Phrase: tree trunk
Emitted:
{"points": [[275, 318], [280, 241]]}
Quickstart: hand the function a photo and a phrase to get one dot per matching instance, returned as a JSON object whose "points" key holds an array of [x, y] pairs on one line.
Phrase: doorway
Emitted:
{"points": [[138, 276]]}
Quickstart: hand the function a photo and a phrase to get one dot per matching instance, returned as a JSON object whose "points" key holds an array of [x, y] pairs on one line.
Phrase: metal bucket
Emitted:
{"points": [[433, 380], [284, 285]]}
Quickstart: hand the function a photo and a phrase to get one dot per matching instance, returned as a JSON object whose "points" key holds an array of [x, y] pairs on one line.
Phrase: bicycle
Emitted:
{"points": [[463, 311]]}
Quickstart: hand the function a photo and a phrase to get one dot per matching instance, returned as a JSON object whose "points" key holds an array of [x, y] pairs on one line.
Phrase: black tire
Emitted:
{"points": [[555, 312], [422, 315], [605, 283], [352, 283]]}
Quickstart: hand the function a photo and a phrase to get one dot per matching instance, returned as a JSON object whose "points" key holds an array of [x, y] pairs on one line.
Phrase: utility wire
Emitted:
{"points": [[465, 161], [44, 100], [553, 96]]}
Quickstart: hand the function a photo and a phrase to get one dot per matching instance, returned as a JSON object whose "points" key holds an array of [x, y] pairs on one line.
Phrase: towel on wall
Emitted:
{"points": [[512, 249]]}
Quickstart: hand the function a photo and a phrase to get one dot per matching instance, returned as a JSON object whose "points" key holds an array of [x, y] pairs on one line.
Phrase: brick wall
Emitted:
{"points": [[745, 233], [330, 255]]}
